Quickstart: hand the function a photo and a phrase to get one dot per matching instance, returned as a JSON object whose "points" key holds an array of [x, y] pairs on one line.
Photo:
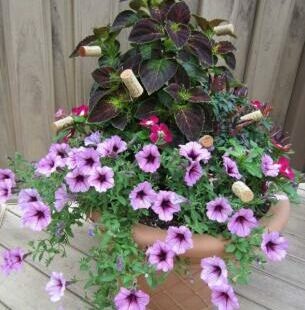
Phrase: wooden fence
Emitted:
{"points": [[37, 77]]}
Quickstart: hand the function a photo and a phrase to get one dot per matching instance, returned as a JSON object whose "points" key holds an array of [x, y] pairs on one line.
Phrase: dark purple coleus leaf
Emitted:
{"points": [[85, 41], [103, 76], [230, 60], [144, 31], [179, 33], [190, 120], [123, 20], [103, 111], [205, 24], [160, 12], [131, 60], [198, 95], [224, 47], [179, 13], [219, 83], [147, 108], [156, 72], [181, 77], [201, 46], [173, 90], [120, 122], [97, 96]]}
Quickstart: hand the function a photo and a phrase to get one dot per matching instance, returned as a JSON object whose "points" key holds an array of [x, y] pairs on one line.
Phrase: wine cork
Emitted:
{"points": [[132, 83], [222, 30], [242, 191], [253, 116], [90, 51], [206, 141], [62, 124]]}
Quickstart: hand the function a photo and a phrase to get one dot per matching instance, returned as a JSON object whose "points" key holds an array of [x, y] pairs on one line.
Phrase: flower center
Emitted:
{"points": [[218, 208], [102, 178], [230, 169], [115, 148], [150, 158], [33, 199], [132, 298], [180, 237], [79, 178], [39, 214], [5, 177], [241, 220], [270, 246], [192, 155], [162, 256], [141, 194], [61, 154], [217, 270], [90, 161], [165, 204]]}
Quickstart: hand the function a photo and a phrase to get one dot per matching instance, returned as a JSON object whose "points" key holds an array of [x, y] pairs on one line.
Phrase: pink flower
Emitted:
{"points": [[7, 175], [214, 271], [166, 204], [161, 256], [102, 179], [269, 168], [81, 110], [94, 139], [5, 191], [60, 113], [149, 158], [88, 160], [12, 260], [224, 298], [161, 134], [77, 181], [56, 286], [219, 210], [142, 196], [62, 197], [242, 222], [231, 168], [179, 239], [274, 246], [257, 104], [112, 147], [61, 150], [150, 121], [48, 164], [193, 151], [36, 216], [27, 196], [285, 168], [131, 300], [193, 173]]}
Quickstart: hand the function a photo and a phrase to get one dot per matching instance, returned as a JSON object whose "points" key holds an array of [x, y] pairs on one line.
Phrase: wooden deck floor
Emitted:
{"points": [[278, 286]]}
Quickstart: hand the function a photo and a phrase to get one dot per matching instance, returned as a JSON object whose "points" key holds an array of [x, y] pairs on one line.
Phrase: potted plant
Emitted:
{"points": [[186, 181]]}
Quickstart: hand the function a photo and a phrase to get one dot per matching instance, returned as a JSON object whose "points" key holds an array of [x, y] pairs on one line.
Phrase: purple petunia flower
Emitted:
{"points": [[61, 150], [269, 168], [36, 216], [111, 147], [149, 158], [7, 175], [94, 139], [88, 160], [193, 173], [142, 196], [131, 300], [56, 286], [274, 246], [214, 271], [5, 191], [48, 164], [179, 239], [193, 151], [72, 160], [165, 205], [102, 179], [161, 256], [224, 298], [242, 222], [231, 168], [62, 197], [27, 196], [219, 210], [77, 181], [12, 260]]}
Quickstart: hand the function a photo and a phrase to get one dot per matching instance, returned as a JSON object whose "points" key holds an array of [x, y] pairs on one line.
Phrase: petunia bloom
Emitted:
{"points": [[93, 140], [214, 271], [61, 150], [161, 134], [62, 197], [150, 121], [242, 222], [274, 246], [231, 168], [56, 286], [224, 298], [12, 260], [81, 110], [27, 196], [112, 147], [131, 300], [8, 175], [77, 181], [142, 196], [102, 179], [285, 168], [269, 168], [165, 205], [72, 160], [219, 210], [5, 191], [88, 160], [36, 216], [47, 165], [179, 239], [257, 104], [193, 173], [161, 256], [193, 151], [149, 158]]}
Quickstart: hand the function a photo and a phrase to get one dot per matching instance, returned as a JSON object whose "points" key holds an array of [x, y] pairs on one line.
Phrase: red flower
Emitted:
{"points": [[81, 110], [257, 104], [150, 121], [266, 108], [285, 168], [160, 133]]}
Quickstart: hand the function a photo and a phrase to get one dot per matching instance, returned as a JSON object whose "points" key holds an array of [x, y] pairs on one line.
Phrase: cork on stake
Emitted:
{"points": [[242, 191], [206, 141], [131, 82], [62, 124], [222, 30], [253, 116], [90, 51]]}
